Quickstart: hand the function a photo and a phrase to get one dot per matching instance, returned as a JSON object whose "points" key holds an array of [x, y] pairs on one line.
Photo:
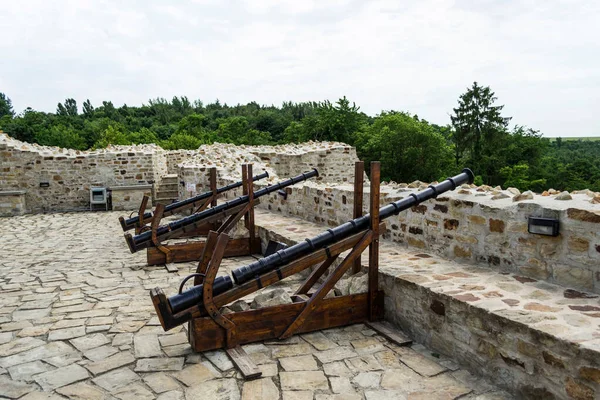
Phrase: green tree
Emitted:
{"points": [[195, 125], [181, 141], [61, 136], [112, 135], [408, 149], [6, 108], [479, 130], [334, 122], [143, 136], [88, 109], [26, 125], [69, 109], [518, 176]]}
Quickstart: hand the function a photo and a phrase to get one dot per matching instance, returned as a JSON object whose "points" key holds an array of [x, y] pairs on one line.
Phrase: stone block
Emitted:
{"points": [[578, 244], [273, 298], [496, 225], [571, 276], [579, 391], [12, 203], [462, 252]]}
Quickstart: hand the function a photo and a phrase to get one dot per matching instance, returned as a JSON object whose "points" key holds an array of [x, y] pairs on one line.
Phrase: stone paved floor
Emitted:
{"points": [[76, 322]]}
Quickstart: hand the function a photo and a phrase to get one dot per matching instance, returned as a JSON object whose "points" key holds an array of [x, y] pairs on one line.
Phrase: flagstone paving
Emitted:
{"points": [[76, 321]]}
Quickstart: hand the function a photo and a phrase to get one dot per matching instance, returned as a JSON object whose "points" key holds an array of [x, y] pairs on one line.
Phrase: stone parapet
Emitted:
{"points": [[12, 202], [130, 197], [465, 226]]}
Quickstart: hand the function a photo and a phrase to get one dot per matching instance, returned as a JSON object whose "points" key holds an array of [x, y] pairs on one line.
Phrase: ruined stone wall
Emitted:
{"points": [[59, 179], [335, 161], [177, 157], [67, 174]]}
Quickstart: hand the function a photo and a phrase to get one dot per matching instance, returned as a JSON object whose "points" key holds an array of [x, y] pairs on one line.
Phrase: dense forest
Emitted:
{"points": [[408, 146]]}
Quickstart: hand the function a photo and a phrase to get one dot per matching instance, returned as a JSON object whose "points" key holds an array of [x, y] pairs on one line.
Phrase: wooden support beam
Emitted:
{"points": [[204, 205], [244, 363], [374, 247], [158, 213], [191, 251], [207, 251], [315, 275], [390, 334], [213, 186], [250, 214], [208, 220], [207, 291], [140, 224], [326, 286], [359, 180], [287, 270], [270, 322], [245, 188], [201, 230], [172, 320], [231, 222]]}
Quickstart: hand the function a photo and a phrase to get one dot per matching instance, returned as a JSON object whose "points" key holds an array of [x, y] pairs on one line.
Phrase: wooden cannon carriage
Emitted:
{"points": [[141, 222], [220, 218], [311, 310]]}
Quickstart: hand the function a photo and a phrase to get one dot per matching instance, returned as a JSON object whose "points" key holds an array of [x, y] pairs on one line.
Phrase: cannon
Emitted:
{"points": [[222, 218], [205, 198], [310, 311], [176, 228]]}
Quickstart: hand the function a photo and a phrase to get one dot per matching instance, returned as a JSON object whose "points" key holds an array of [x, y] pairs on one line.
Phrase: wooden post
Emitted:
{"points": [[207, 290], [211, 242], [374, 247], [213, 186], [158, 213], [359, 172], [250, 213], [140, 224], [245, 188]]}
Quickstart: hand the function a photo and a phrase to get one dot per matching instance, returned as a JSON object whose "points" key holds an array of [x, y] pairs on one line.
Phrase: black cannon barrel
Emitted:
{"points": [[191, 297], [144, 239], [330, 236], [172, 208]]}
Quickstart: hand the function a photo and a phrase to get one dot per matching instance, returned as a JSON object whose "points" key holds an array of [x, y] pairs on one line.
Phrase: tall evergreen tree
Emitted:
{"points": [[6, 106], [479, 126], [88, 109], [68, 109]]}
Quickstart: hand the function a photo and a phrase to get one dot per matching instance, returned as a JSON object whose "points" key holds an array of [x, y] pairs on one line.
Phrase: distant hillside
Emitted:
{"points": [[583, 138]]}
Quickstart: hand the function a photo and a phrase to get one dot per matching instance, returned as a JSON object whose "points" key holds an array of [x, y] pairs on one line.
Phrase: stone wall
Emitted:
{"points": [[334, 161], [470, 226], [57, 179]]}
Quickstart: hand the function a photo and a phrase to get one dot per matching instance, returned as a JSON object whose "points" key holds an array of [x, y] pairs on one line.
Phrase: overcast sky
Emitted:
{"points": [[542, 58]]}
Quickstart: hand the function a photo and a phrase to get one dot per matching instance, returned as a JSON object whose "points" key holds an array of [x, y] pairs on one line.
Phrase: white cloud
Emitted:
{"points": [[539, 57]]}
